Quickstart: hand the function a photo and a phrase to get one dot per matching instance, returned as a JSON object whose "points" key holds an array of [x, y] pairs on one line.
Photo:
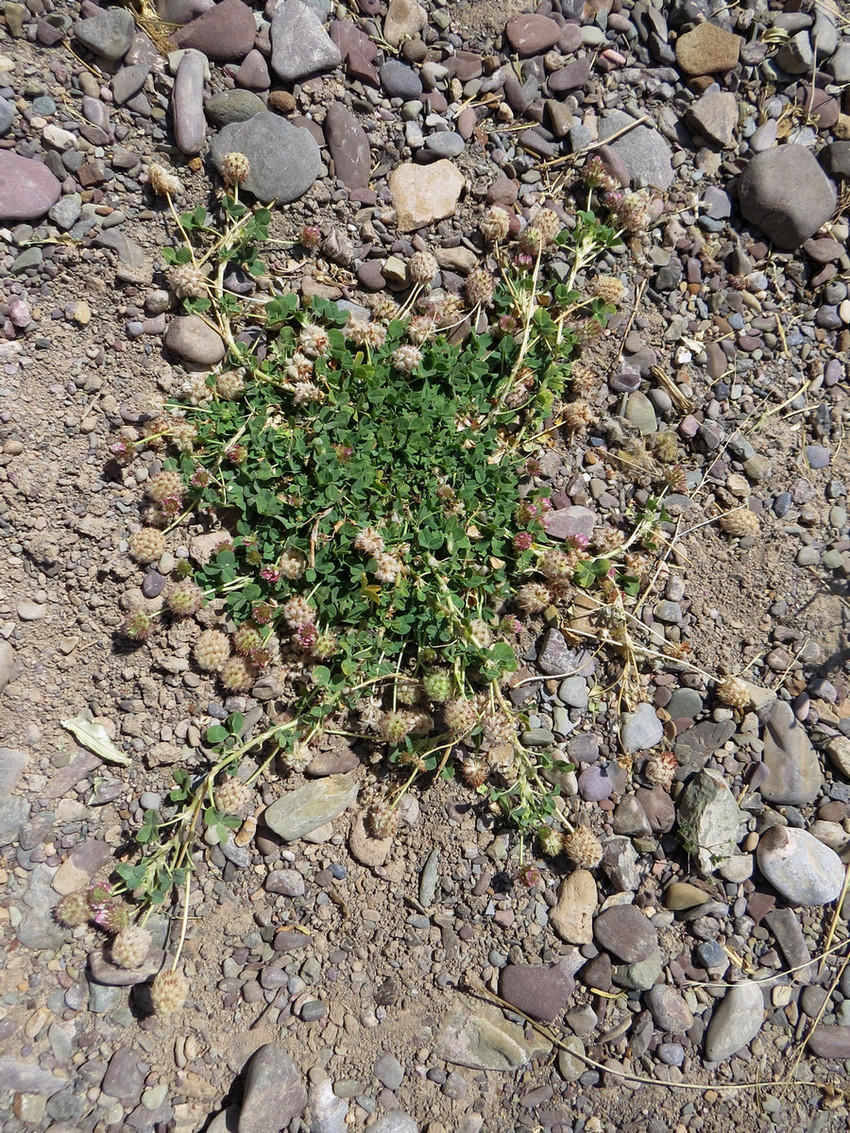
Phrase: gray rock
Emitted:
{"points": [[123, 1078], [669, 1010], [103, 999], [640, 412], [785, 926], [284, 159], [7, 115], [109, 34], [187, 102], [573, 692], [128, 82], [399, 80], [685, 702], [306, 809], [641, 975], [799, 867], [626, 933], [66, 212], [786, 193], [478, 1036], [796, 56], [226, 30], [630, 818], [694, 746], [708, 819], [396, 1121], [101, 969], [620, 862], [233, 106], [794, 774], [348, 143], [27, 188], [445, 144], [300, 44], [540, 991], [228, 1120], [274, 1092], [554, 655], [641, 729], [194, 340], [27, 1078], [12, 764], [827, 1041], [573, 520], [14, 811], [389, 1071], [8, 663], [328, 1112], [715, 116], [643, 150], [735, 1022], [838, 750]]}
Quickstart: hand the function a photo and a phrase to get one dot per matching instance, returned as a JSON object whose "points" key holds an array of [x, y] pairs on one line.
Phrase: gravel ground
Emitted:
{"points": [[335, 984]]}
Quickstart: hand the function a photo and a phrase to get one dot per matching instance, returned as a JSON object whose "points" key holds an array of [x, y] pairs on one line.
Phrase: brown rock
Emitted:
{"points": [[707, 50], [425, 193], [540, 991], [572, 916]]}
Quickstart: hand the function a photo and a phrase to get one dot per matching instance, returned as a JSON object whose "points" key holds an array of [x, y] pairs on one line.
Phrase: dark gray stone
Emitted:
{"points": [[787, 194], [284, 159], [274, 1092]]}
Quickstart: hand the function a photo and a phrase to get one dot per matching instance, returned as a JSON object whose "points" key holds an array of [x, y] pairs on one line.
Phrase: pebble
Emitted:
{"points": [[284, 159], [422, 194], [641, 729], [794, 774], [785, 192], [626, 933], [799, 867], [193, 339], [572, 916], [27, 187], [224, 31], [108, 34], [540, 991], [735, 1022], [273, 1092], [708, 820], [300, 44], [310, 806]]}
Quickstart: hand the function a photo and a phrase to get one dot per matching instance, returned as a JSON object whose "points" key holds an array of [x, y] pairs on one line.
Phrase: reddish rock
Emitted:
{"points": [[225, 31], [529, 35], [27, 188]]}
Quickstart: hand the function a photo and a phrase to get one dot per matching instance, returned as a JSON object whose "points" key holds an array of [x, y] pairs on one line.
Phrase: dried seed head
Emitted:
{"points": [[185, 598], [298, 759], [556, 566], [187, 281], [385, 309], [212, 650], [163, 485], [734, 692], [235, 169], [551, 841], [395, 726], [313, 340], [420, 328], [230, 384], [232, 797], [421, 268], [387, 568], [369, 541], [474, 771], [131, 946], [740, 523], [298, 612], [548, 224], [582, 847], [381, 819], [406, 358], [495, 224], [73, 910], [183, 433], [306, 392], [498, 728], [247, 638], [480, 286], [533, 597], [607, 288], [461, 716], [168, 992], [237, 674], [660, 769], [147, 545], [163, 183], [113, 917], [292, 563], [576, 415]]}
